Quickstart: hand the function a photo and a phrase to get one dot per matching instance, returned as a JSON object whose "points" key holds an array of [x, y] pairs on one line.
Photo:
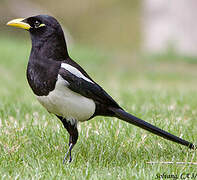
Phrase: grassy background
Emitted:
{"points": [[162, 92]]}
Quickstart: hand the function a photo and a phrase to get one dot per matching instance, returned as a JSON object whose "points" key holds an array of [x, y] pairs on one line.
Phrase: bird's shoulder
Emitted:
{"points": [[72, 63]]}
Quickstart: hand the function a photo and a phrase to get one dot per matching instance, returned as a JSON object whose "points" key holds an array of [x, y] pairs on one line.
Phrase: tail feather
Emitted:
{"points": [[121, 114]]}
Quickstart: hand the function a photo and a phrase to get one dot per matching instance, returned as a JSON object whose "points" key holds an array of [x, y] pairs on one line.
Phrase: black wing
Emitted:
{"points": [[88, 89]]}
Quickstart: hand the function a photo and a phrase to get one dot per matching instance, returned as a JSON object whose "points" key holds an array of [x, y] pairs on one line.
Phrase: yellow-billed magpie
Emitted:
{"points": [[64, 88]]}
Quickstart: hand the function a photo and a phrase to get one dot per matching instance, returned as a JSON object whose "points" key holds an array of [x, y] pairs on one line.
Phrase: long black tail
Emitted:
{"points": [[121, 114]]}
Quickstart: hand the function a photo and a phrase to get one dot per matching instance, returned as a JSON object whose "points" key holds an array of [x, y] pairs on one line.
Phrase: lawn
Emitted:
{"points": [[33, 142]]}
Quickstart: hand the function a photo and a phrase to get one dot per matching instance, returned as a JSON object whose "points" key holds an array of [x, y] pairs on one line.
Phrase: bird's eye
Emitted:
{"points": [[36, 24]]}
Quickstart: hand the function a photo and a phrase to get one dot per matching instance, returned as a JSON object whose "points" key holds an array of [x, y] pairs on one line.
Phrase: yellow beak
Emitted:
{"points": [[19, 23]]}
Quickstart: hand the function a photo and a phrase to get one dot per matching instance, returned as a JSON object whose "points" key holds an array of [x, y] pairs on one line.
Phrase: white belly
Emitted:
{"points": [[66, 103]]}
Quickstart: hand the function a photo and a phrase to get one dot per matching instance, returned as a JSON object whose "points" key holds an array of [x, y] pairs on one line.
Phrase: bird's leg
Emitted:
{"points": [[69, 151], [71, 127], [73, 132], [72, 142]]}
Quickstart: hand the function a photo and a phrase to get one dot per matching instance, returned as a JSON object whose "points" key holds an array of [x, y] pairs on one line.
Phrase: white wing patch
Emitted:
{"points": [[75, 71]]}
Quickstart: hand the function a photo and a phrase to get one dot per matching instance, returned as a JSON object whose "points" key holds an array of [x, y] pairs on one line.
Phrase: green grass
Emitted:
{"points": [[33, 142]]}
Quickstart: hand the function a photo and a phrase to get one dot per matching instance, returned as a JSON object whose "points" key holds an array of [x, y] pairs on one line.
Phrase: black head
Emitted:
{"points": [[39, 24], [43, 27], [43, 24], [45, 32]]}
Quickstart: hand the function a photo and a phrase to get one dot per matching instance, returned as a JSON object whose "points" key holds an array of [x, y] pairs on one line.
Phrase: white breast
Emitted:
{"points": [[66, 103]]}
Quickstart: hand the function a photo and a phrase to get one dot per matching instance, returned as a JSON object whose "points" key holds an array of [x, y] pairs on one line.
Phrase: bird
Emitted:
{"points": [[64, 88]]}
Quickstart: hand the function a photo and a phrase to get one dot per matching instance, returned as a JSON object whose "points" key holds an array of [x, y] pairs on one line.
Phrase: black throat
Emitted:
{"points": [[45, 59], [49, 44]]}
